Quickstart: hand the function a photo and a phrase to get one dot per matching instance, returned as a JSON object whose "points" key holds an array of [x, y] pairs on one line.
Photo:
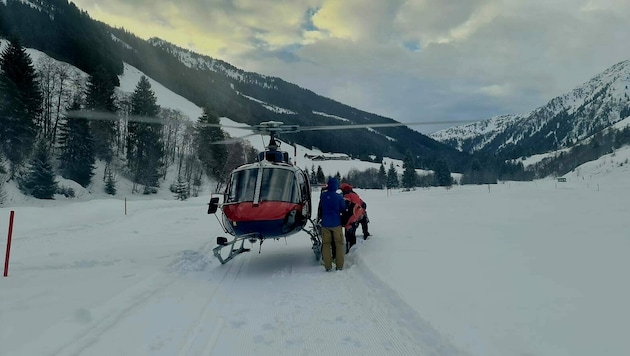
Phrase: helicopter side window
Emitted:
{"points": [[278, 185], [243, 185]]}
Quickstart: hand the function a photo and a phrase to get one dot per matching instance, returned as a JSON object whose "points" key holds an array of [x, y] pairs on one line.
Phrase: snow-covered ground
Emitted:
{"points": [[535, 268]]}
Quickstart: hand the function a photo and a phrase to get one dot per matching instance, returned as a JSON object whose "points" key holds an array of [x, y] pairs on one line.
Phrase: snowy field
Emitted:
{"points": [[536, 268]]}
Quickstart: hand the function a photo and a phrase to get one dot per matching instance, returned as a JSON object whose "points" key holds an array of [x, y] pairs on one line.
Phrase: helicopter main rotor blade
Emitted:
{"points": [[364, 126], [92, 115], [109, 116], [229, 140], [274, 127], [264, 128]]}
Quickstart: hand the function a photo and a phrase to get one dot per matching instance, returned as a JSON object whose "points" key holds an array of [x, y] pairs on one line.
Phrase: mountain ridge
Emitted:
{"points": [[251, 98], [60, 29], [563, 122]]}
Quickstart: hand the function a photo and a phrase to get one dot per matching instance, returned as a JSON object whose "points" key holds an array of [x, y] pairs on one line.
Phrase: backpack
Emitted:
{"points": [[347, 214]]}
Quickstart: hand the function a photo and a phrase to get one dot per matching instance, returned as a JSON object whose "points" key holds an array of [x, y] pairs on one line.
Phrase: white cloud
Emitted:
{"points": [[399, 58], [496, 90]]}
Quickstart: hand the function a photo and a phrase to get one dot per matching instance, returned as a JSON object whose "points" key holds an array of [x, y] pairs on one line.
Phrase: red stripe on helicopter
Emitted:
{"points": [[266, 210]]}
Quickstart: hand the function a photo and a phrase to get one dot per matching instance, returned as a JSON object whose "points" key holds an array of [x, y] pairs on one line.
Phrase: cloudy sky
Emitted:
{"points": [[414, 60]]}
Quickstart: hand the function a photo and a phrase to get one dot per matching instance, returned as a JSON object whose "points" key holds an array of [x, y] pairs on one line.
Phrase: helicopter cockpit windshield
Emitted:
{"points": [[242, 186], [274, 184], [278, 185]]}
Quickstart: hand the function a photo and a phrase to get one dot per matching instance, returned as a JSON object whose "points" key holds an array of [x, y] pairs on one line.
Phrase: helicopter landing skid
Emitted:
{"points": [[316, 238], [317, 249], [222, 241]]}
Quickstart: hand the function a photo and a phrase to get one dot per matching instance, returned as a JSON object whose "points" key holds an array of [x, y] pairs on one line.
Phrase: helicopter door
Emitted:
{"points": [[305, 193]]}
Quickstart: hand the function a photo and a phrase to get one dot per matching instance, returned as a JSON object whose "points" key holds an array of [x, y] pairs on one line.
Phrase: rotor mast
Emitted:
{"points": [[271, 128]]}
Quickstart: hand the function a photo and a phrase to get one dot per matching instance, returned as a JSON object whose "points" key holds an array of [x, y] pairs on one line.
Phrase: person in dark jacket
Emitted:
{"points": [[355, 212], [349, 194], [331, 206]]}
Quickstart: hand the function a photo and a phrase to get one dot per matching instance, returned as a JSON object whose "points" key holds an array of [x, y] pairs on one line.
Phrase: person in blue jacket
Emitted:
{"points": [[331, 206]]}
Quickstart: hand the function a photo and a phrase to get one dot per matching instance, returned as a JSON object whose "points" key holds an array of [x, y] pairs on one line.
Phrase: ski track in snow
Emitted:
{"points": [[350, 312], [213, 309], [133, 298]]}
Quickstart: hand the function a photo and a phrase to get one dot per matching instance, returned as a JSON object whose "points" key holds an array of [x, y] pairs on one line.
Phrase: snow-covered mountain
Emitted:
{"points": [[251, 98], [201, 62], [476, 135], [563, 122]]}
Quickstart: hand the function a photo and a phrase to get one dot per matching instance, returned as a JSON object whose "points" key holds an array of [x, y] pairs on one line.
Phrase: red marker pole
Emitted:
{"points": [[6, 260]]}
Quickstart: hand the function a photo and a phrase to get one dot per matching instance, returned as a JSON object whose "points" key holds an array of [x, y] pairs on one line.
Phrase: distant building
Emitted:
{"points": [[328, 157]]}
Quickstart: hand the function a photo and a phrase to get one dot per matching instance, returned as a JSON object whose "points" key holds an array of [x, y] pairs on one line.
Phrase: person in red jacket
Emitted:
{"points": [[355, 213]]}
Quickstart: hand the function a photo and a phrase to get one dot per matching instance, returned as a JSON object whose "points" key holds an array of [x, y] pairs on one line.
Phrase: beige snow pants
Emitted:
{"points": [[330, 234]]}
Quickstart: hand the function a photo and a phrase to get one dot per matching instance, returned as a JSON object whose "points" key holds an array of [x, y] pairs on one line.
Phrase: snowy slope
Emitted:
{"points": [[563, 121], [481, 132], [166, 98], [512, 269]]}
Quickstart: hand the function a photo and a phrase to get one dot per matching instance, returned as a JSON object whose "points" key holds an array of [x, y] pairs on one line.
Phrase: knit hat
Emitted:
{"points": [[345, 187]]}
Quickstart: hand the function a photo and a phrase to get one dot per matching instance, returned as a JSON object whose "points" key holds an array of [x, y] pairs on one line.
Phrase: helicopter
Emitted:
{"points": [[267, 199], [270, 198]]}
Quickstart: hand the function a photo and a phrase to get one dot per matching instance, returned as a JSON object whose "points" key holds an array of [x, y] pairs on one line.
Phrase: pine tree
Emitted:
{"points": [[313, 176], [392, 177], [100, 98], [20, 104], [212, 156], [3, 194], [39, 180], [321, 177], [443, 174], [110, 182], [382, 176], [409, 173], [474, 175], [144, 141], [3, 172], [182, 188], [76, 146]]}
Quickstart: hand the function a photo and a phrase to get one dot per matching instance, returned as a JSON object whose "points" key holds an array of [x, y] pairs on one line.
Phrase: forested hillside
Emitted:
{"points": [[81, 70], [64, 32]]}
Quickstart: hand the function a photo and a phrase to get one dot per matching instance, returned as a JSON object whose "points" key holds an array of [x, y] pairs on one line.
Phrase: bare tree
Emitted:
{"points": [[174, 121], [59, 85], [239, 152], [189, 165], [123, 102]]}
